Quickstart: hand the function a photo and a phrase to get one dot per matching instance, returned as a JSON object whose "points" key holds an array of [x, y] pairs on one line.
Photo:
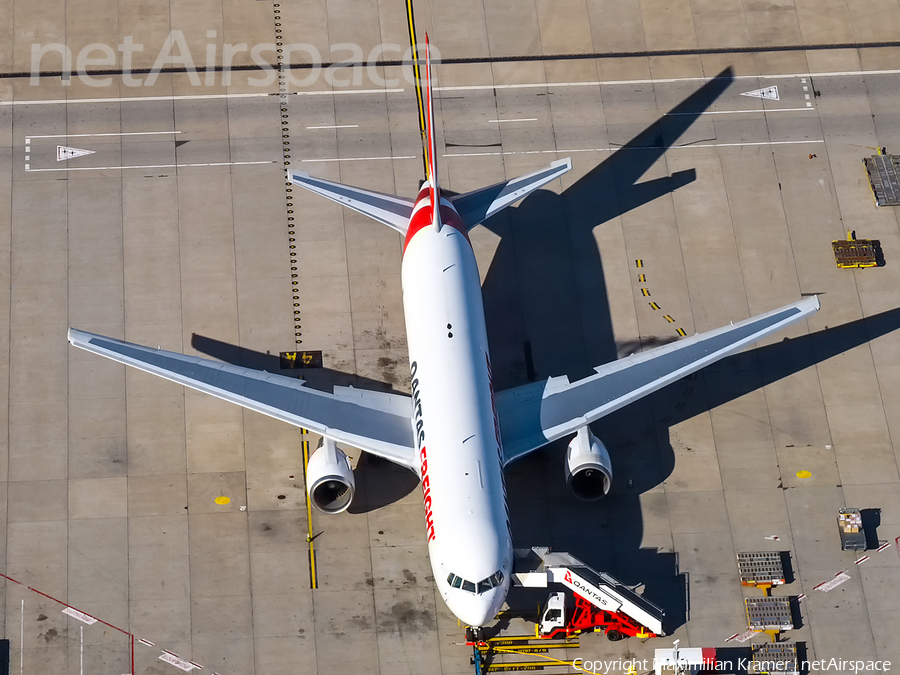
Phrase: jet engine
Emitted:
{"points": [[329, 478], [588, 466]]}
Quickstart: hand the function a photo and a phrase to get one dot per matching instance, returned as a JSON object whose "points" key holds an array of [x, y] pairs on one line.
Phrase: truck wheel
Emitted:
{"points": [[614, 635]]}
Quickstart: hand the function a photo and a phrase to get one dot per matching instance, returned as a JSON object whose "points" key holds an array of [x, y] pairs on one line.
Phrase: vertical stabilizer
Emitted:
{"points": [[431, 145]]}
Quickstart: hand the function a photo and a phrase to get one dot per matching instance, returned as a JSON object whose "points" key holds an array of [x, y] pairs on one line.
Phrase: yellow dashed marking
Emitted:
{"points": [[668, 317], [642, 278], [804, 474], [653, 305], [222, 501], [645, 292], [680, 331], [638, 263]]}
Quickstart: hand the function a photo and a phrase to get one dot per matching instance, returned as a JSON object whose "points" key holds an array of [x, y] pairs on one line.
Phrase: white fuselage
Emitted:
{"points": [[457, 436]]}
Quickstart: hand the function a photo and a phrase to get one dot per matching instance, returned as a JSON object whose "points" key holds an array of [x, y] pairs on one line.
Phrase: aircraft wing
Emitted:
{"points": [[383, 430], [536, 414], [390, 210], [479, 205]]}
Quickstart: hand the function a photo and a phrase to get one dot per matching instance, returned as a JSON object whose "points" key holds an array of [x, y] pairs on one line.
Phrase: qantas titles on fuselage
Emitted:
{"points": [[423, 453]]}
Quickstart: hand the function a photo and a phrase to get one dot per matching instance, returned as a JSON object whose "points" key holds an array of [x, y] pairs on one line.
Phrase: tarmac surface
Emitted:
{"points": [[179, 231]]}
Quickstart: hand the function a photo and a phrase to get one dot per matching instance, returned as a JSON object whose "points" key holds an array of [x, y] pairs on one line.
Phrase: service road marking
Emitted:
{"points": [[674, 147], [732, 112], [147, 166], [356, 159], [122, 133], [199, 97]]}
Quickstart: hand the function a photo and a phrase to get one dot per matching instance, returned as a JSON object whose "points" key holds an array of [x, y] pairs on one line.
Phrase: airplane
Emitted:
{"points": [[455, 432]]}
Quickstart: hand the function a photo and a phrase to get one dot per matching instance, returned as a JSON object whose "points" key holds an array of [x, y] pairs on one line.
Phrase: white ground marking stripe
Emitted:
{"points": [[831, 584], [566, 152], [146, 166], [521, 119], [355, 159], [669, 80], [124, 133], [198, 97], [474, 87], [732, 112]]}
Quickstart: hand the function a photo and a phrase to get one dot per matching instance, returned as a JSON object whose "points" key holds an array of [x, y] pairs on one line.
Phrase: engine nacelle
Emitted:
{"points": [[588, 466], [329, 478]]}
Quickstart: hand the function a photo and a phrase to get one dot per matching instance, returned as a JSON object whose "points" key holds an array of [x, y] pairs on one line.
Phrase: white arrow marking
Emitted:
{"points": [[64, 152], [770, 93]]}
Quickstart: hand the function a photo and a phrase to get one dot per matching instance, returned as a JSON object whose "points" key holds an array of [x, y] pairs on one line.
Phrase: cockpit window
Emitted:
{"points": [[496, 579]]}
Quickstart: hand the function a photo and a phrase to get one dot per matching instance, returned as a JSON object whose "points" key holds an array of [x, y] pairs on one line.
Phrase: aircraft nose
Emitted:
{"points": [[478, 610]]}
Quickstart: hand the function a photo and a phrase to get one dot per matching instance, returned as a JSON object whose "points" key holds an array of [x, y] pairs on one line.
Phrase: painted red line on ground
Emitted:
{"points": [[861, 560], [801, 596], [50, 597], [171, 653], [882, 547], [729, 639], [146, 642], [196, 665]]}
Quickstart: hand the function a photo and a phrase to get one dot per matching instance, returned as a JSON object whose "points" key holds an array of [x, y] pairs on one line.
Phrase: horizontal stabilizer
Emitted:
{"points": [[390, 210], [479, 205]]}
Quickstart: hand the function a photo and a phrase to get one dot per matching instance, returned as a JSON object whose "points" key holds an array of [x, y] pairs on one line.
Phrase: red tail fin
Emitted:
{"points": [[431, 143]]}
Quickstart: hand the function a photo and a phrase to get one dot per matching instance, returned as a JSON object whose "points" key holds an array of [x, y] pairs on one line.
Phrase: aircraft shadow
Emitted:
{"points": [[544, 292], [543, 296]]}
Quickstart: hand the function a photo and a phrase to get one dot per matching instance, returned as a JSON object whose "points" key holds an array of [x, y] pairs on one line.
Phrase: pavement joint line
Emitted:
{"points": [[611, 149], [336, 126], [520, 119], [197, 97]]}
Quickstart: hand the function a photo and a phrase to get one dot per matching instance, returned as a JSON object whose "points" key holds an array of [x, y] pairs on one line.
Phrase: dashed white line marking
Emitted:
{"points": [[861, 560], [336, 126], [146, 166], [355, 159], [882, 547], [566, 152], [521, 119], [146, 642]]}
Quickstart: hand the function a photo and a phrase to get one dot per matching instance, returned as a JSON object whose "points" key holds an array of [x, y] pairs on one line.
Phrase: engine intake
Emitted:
{"points": [[329, 478], [588, 466]]}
